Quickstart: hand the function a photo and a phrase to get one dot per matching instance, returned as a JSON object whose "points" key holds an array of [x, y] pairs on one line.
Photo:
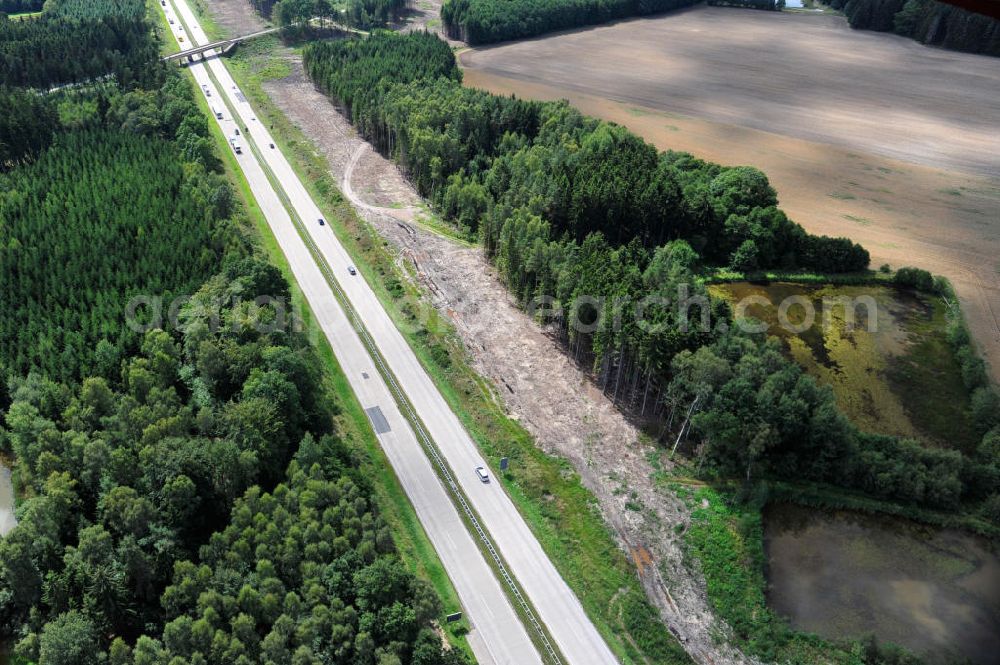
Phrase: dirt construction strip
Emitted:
{"points": [[540, 386], [402, 214]]}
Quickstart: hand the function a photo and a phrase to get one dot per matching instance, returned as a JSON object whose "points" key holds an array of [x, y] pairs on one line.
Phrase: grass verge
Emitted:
{"points": [[209, 25], [157, 19], [562, 514], [522, 606], [726, 539]]}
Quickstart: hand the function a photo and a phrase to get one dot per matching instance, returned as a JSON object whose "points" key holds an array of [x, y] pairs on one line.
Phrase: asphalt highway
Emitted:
{"points": [[500, 636]]}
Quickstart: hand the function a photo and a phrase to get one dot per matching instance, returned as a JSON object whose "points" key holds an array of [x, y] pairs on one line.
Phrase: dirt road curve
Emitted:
{"points": [[549, 395], [543, 389], [866, 135]]}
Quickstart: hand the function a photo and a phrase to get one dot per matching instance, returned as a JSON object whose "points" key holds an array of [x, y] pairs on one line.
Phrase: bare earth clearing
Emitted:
{"points": [[865, 135], [540, 386]]}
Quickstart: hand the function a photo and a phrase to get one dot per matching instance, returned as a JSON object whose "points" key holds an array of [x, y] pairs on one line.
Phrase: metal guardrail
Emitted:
{"points": [[425, 439], [445, 471]]}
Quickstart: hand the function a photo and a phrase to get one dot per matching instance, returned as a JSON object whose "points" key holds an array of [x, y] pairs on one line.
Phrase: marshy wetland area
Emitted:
{"points": [[877, 353], [845, 575]]}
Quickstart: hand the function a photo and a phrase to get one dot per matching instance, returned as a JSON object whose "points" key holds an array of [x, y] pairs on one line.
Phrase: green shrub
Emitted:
{"points": [[483, 21], [440, 356], [914, 278], [985, 408]]}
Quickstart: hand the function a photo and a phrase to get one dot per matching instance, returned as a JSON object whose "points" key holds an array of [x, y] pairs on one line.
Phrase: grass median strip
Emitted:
{"points": [[520, 602]]}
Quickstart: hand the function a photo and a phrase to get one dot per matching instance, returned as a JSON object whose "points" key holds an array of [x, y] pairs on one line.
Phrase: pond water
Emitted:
{"points": [[844, 575], [7, 520]]}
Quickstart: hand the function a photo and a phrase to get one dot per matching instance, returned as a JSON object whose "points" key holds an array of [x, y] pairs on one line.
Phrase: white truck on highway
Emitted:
{"points": [[237, 148], [216, 112]]}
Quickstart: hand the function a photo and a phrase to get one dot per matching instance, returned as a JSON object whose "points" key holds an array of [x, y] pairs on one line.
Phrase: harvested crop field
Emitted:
{"points": [[863, 134], [806, 76]]}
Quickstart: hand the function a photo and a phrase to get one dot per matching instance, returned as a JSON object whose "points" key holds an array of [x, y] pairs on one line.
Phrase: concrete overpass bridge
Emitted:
{"points": [[226, 45], [223, 46]]}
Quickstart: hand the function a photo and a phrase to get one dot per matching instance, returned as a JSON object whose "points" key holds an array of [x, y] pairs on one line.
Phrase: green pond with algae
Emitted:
{"points": [[886, 355]]}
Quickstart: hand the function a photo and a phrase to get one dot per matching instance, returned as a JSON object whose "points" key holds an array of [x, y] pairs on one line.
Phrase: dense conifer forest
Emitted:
{"points": [[927, 21], [85, 225], [358, 13], [27, 124], [373, 13], [74, 41], [569, 207], [183, 492], [133, 10], [20, 6], [484, 21]]}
